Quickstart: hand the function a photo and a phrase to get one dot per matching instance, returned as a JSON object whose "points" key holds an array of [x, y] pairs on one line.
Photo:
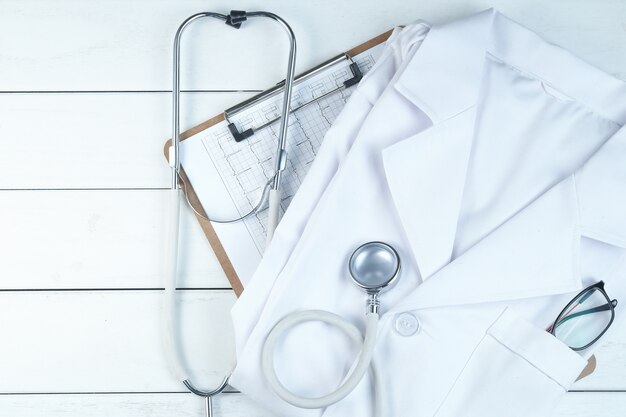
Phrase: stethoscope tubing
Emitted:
{"points": [[363, 363]]}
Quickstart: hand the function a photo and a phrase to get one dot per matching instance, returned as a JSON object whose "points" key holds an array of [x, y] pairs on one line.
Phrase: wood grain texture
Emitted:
{"points": [[610, 373], [127, 405], [93, 140], [98, 239], [607, 404], [109, 341], [127, 45]]}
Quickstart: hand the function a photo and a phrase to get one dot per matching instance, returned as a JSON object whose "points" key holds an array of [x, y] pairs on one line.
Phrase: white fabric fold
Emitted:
{"points": [[496, 170]]}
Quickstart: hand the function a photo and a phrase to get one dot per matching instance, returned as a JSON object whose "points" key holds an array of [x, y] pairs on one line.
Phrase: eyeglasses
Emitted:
{"points": [[585, 319]]}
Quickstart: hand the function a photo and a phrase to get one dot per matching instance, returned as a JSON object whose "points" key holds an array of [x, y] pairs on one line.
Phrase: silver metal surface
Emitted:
{"points": [[175, 158], [374, 266], [256, 208], [281, 154], [208, 395], [228, 114], [291, 68], [280, 87]]}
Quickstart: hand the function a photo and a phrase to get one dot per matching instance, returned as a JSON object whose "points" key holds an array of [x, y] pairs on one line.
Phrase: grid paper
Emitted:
{"points": [[245, 167]]}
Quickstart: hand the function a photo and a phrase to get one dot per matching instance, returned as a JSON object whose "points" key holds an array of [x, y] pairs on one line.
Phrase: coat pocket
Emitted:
{"points": [[517, 370]]}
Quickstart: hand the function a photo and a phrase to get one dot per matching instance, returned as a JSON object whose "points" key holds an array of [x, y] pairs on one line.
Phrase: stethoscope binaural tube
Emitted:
{"points": [[374, 267], [271, 191]]}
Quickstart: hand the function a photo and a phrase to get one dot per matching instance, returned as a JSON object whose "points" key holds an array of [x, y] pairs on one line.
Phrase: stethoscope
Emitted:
{"points": [[271, 189], [373, 266]]}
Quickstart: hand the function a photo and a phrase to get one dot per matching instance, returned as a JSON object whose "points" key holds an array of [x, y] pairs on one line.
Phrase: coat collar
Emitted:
{"points": [[536, 251], [449, 59], [452, 55]]}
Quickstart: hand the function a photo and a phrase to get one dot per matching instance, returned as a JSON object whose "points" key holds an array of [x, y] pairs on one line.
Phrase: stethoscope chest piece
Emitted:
{"points": [[374, 266]]}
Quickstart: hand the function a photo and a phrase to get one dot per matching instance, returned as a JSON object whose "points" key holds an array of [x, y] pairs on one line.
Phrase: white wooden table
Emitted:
{"points": [[84, 111]]}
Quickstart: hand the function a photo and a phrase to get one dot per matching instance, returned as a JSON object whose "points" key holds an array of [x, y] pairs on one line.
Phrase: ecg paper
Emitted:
{"points": [[228, 175]]}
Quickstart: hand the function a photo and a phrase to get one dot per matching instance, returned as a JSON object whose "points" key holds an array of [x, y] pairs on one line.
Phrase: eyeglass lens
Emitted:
{"points": [[584, 319]]}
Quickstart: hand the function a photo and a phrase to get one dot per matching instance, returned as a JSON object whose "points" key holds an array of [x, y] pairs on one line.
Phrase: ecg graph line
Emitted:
{"points": [[244, 167]]}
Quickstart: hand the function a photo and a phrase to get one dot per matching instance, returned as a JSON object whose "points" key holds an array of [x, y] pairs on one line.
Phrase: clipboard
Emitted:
{"points": [[206, 226]]}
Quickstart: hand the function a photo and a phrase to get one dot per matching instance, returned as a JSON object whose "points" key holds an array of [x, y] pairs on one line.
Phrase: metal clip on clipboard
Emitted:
{"points": [[278, 89]]}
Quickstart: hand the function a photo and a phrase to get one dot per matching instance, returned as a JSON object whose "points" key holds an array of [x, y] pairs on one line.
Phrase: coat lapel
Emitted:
{"points": [[433, 163], [443, 76], [532, 247], [534, 253], [538, 251], [426, 176]]}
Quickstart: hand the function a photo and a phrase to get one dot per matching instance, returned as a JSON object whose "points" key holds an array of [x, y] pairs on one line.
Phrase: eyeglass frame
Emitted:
{"points": [[599, 286]]}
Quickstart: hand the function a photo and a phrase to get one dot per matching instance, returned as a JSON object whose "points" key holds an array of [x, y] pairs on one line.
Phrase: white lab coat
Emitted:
{"points": [[401, 44], [493, 162]]}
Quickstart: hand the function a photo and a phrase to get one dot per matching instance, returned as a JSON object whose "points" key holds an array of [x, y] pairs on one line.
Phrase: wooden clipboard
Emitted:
{"points": [[206, 226]]}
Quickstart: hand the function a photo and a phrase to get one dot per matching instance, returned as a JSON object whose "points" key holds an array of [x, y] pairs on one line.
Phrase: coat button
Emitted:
{"points": [[407, 324]]}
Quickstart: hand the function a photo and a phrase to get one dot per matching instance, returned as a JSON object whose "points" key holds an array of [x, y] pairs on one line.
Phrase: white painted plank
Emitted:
{"points": [[98, 239], [108, 341], [592, 404], [611, 369], [111, 239], [94, 140], [126, 405], [232, 405], [122, 45]]}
